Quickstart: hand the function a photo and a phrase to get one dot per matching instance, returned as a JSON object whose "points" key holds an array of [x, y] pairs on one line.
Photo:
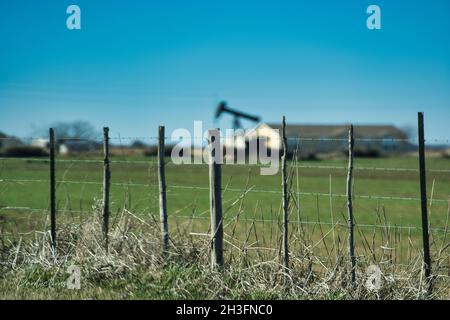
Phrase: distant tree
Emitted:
{"points": [[138, 144], [78, 129], [2, 135]]}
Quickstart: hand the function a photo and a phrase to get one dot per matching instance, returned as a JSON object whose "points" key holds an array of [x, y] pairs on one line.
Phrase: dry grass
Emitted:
{"points": [[133, 267]]}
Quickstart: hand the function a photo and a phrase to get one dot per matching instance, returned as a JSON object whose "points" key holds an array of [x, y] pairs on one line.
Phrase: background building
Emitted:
{"points": [[327, 140]]}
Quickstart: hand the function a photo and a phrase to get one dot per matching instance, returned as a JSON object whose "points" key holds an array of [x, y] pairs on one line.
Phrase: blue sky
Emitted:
{"points": [[137, 64]]}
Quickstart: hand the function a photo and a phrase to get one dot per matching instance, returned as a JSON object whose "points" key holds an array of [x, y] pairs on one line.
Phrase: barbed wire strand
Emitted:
{"points": [[259, 220], [137, 138], [144, 162], [315, 194]]}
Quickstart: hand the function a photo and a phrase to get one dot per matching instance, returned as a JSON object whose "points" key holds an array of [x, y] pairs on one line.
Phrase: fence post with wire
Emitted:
{"points": [[52, 189], [351, 236], [284, 184], [106, 186], [162, 190], [349, 201], [424, 206], [215, 185]]}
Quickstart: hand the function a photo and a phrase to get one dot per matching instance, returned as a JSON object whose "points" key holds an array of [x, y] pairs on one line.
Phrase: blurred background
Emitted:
{"points": [[231, 64], [133, 66]]}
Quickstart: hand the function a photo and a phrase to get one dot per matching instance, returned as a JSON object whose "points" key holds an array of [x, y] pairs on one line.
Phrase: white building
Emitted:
{"points": [[313, 140]]}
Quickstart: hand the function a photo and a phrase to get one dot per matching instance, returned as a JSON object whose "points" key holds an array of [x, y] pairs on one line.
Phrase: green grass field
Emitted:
{"points": [[135, 187], [252, 219]]}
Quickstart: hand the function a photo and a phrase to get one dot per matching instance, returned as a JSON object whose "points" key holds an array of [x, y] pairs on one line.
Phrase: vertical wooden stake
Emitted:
{"points": [[106, 185], [162, 190], [52, 189], [351, 239], [285, 199], [423, 197], [215, 187]]}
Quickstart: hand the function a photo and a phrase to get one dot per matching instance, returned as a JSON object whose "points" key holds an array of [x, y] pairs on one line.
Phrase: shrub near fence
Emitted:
{"points": [[24, 151]]}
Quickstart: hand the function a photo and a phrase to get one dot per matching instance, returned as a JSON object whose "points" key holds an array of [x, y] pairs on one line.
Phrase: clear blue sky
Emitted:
{"points": [[137, 64]]}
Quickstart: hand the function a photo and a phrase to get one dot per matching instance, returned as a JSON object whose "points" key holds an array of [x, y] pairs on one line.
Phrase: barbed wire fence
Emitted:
{"points": [[294, 195]]}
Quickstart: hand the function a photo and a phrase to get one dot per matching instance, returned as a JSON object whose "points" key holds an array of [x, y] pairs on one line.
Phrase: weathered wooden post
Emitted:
{"points": [[424, 201], [215, 187], [52, 189], [162, 190], [351, 239], [285, 198], [106, 186]]}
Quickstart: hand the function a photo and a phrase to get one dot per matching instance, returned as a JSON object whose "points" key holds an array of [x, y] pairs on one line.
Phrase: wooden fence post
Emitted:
{"points": [[351, 239], [52, 189], [424, 203], [162, 190], [215, 187], [106, 186], [285, 199]]}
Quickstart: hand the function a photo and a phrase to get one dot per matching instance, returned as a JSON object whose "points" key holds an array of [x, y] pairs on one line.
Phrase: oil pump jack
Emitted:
{"points": [[237, 115]]}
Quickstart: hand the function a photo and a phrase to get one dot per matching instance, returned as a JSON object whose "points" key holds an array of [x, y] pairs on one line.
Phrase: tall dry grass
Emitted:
{"points": [[133, 266]]}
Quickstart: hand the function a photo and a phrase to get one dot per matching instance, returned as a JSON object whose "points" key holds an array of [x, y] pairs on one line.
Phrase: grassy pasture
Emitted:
{"points": [[135, 187], [252, 219]]}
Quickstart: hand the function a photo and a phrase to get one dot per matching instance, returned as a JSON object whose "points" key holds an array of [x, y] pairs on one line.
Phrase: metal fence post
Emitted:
{"points": [[106, 186], [423, 198], [215, 186], [285, 199], [162, 190], [52, 189], [351, 239]]}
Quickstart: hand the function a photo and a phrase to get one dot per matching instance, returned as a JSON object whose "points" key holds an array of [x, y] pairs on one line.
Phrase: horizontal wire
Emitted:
{"points": [[227, 164], [99, 161], [99, 138], [38, 209], [315, 194], [370, 168], [309, 222], [364, 225], [46, 139]]}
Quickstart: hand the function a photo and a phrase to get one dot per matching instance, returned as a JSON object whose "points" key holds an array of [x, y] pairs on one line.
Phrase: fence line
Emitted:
{"points": [[97, 161], [256, 220], [150, 162], [136, 138], [216, 190], [315, 194]]}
